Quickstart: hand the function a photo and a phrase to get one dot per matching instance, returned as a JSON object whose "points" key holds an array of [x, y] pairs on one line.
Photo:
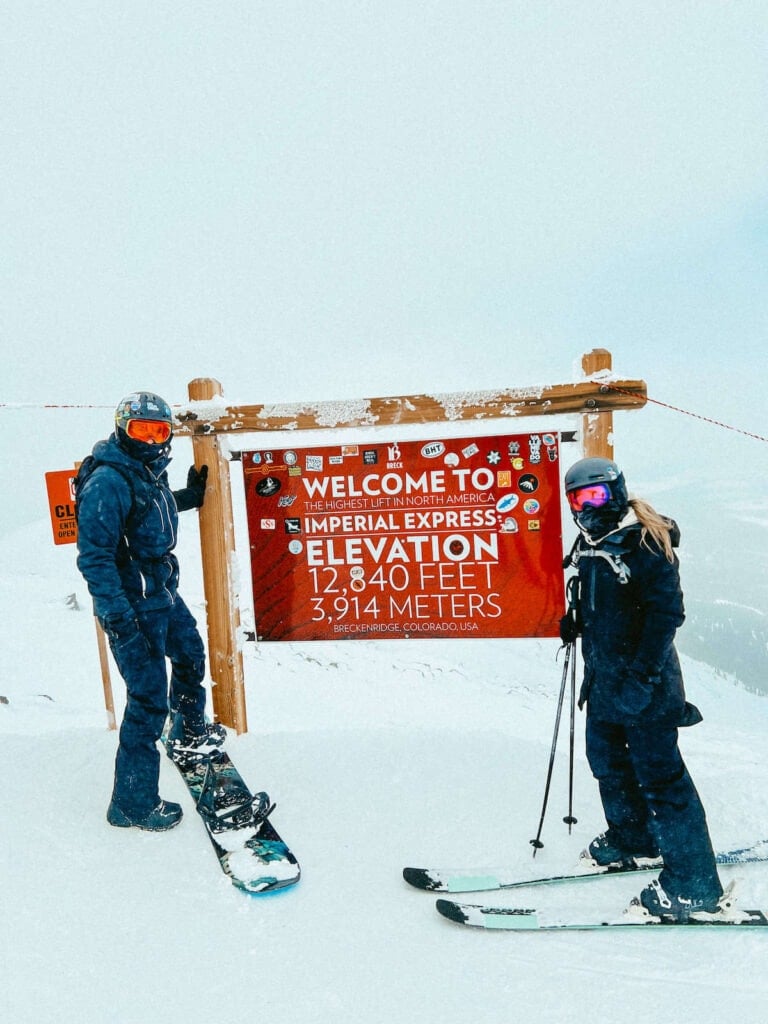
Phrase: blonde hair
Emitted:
{"points": [[655, 525]]}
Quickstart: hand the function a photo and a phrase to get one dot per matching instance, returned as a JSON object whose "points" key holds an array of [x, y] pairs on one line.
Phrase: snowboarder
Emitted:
{"points": [[627, 608], [127, 519]]}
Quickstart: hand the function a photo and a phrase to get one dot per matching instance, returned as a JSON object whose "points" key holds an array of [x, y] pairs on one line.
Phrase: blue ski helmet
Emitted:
{"points": [[144, 425]]}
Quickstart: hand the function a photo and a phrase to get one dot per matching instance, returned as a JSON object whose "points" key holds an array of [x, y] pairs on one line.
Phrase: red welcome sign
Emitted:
{"points": [[457, 537]]}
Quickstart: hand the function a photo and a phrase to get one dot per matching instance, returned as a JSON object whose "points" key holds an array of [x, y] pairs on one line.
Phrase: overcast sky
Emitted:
{"points": [[336, 199]]}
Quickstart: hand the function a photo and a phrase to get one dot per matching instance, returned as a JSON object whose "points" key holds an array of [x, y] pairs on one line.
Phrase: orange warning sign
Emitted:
{"points": [[61, 502]]}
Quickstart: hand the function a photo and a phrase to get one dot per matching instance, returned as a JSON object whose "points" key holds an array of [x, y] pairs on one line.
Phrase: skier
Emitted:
{"points": [[627, 608], [127, 519]]}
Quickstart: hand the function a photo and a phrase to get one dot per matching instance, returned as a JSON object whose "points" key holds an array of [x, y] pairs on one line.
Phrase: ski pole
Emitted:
{"points": [[536, 843], [569, 818]]}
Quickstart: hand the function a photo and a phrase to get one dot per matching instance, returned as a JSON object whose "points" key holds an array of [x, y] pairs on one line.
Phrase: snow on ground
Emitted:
{"points": [[379, 754]]}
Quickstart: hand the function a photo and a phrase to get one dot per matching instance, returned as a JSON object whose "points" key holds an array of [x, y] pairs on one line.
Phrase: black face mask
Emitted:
{"points": [[142, 452], [597, 522]]}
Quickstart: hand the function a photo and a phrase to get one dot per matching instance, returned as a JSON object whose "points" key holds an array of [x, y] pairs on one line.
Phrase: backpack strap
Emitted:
{"points": [[614, 559], [140, 501]]}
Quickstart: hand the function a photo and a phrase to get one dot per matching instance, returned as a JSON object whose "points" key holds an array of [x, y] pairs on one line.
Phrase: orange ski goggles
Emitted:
{"points": [[149, 431]]}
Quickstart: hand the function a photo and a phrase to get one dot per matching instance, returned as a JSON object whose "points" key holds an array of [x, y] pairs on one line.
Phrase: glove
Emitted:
{"points": [[569, 628], [635, 692], [121, 627], [196, 481], [570, 624], [193, 495], [130, 647]]}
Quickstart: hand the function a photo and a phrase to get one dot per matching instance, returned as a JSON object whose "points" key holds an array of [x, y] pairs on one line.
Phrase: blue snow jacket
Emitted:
{"points": [[127, 519], [630, 606]]}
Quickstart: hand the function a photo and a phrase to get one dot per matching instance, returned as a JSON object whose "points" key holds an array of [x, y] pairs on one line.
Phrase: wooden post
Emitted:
{"points": [[106, 680], [597, 427], [217, 541]]}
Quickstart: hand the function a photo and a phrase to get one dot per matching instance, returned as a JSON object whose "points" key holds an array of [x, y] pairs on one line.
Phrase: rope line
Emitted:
{"points": [[49, 405], [686, 412]]}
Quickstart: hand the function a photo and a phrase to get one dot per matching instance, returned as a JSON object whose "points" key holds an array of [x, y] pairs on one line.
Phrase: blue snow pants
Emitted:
{"points": [[647, 793], [166, 633]]}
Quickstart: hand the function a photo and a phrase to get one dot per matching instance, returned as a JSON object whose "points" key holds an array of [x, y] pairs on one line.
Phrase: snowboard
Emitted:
{"points": [[249, 848]]}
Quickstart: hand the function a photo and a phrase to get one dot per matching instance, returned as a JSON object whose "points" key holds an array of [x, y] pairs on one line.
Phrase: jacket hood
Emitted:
{"points": [[111, 453], [627, 522], [631, 524]]}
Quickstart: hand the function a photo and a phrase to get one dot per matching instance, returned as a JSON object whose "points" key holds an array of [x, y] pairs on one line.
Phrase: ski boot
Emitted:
{"points": [[655, 902], [605, 852]]}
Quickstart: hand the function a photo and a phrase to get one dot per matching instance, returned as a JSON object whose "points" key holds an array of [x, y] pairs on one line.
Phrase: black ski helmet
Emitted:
{"points": [[597, 470], [597, 521], [142, 405]]}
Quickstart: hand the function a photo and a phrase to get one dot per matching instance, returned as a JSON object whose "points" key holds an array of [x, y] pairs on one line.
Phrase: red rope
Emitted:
{"points": [[48, 405], [686, 412]]}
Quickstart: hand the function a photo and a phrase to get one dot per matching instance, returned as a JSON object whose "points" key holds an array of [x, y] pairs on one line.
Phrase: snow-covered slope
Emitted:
{"points": [[378, 754]]}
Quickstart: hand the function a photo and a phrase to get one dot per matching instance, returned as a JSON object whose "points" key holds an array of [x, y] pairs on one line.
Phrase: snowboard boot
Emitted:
{"points": [[163, 817], [605, 852], [665, 906]]}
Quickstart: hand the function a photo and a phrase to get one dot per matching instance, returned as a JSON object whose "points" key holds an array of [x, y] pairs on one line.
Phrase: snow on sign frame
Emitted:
{"points": [[459, 537]]}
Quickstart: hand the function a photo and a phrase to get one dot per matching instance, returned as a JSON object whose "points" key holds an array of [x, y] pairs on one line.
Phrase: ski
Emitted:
{"points": [[249, 848], [458, 880], [520, 919]]}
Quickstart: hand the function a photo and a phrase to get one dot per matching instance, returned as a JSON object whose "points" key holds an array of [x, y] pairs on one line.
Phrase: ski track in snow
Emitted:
{"points": [[378, 754]]}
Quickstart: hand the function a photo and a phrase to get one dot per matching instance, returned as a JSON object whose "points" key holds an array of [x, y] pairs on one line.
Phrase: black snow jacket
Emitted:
{"points": [[630, 606], [127, 518]]}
